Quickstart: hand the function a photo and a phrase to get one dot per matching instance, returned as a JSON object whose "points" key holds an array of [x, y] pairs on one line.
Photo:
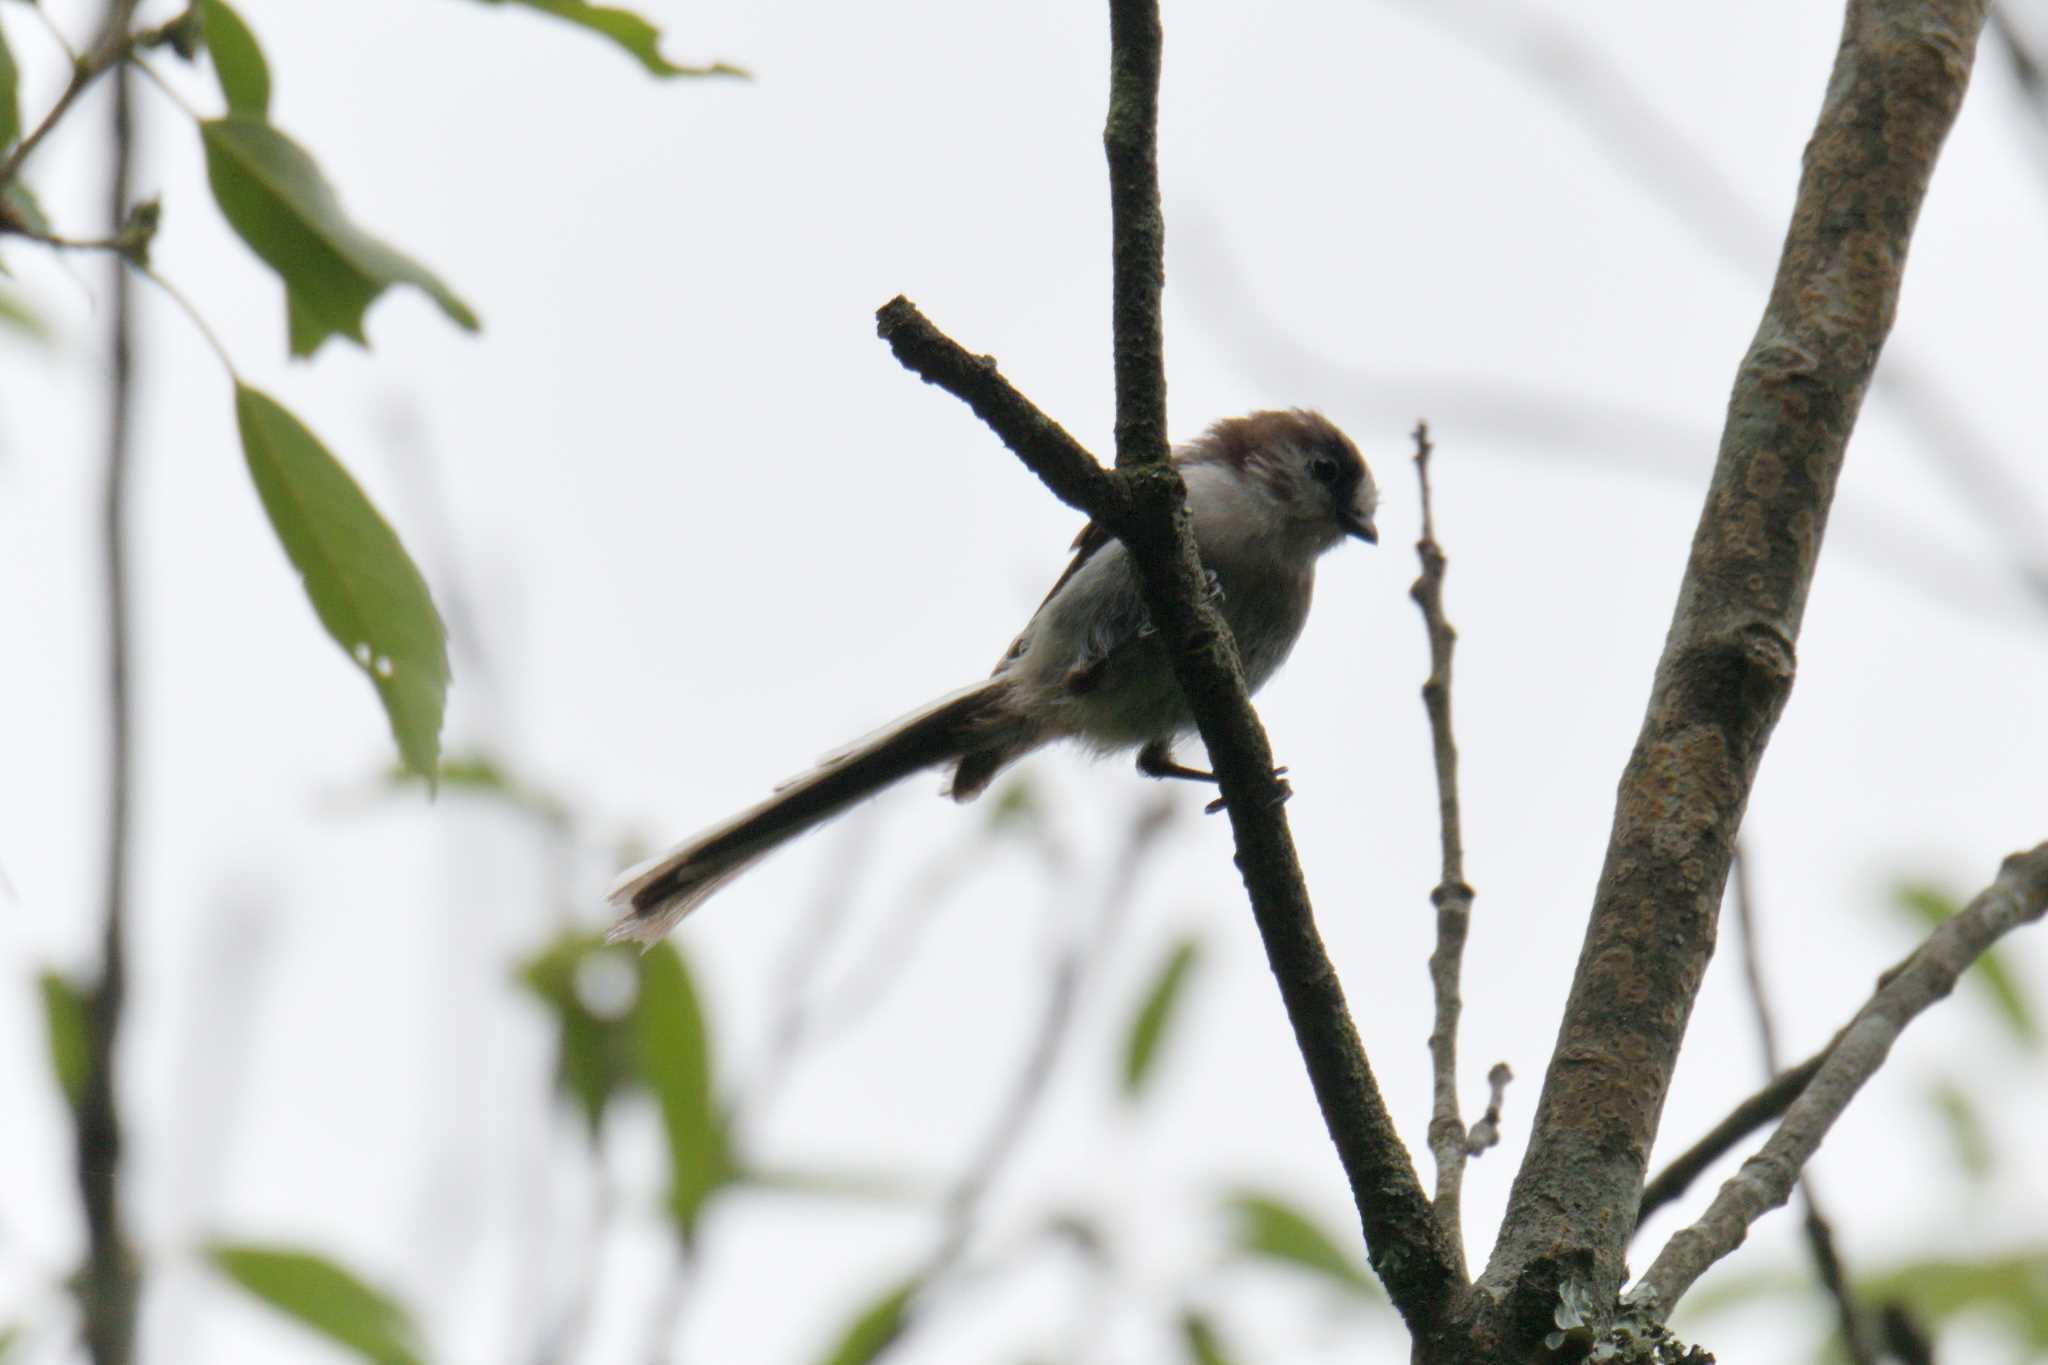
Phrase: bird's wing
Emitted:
{"points": [[1090, 539]]}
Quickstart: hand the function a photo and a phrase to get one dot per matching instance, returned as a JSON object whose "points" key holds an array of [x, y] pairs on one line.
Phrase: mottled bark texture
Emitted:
{"points": [[1727, 665]]}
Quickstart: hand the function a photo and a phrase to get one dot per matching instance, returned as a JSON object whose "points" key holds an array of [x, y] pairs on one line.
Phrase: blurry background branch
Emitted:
{"points": [[1820, 1234]]}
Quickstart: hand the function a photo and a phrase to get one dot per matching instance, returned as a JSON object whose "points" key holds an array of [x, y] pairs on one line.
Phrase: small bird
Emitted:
{"points": [[1267, 494]]}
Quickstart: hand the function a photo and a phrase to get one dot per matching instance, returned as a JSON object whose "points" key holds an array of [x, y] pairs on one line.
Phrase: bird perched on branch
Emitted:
{"points": [[1267, 494]]}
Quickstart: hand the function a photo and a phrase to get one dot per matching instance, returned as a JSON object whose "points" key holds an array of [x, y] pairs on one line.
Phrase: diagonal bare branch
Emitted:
{"points": [[2018, 896], [1728, 661], [1820, 1233]]}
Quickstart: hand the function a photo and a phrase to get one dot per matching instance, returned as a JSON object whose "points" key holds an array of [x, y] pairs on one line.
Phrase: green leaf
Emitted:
{"points": [[10, 95], [675, 1063], [276, 198], [1928, 906], [2012, 1288], [628, 30], [1158, 1009], [1198, 1334], [1270, 1227], [322, 1296], [874, 1327], [1969, 1139], [597, 1044], [365, 588], [21, 205], [481, 775], [66, 1018], [237, 60], [20, 317]]}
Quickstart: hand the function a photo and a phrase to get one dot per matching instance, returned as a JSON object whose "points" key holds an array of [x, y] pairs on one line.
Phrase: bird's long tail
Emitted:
{"points": [[653, 897]]}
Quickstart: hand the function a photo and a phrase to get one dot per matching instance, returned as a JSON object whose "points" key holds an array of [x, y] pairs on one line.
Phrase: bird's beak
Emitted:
{"points": [[1362, 527]]}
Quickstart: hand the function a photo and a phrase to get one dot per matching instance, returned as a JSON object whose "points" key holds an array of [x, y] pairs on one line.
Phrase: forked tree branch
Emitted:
{"points": [[1142, 503], [2018, 896], [1728, 660]]}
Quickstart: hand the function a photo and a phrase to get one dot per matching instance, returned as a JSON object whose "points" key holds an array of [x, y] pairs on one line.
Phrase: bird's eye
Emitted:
{"points": [[1323, 470]]}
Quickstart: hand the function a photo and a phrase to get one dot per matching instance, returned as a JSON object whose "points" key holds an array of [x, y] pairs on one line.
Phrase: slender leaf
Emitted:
{"points": [[10, 95], [323, 1297], [877, 1186], [1155, 1013], [1929, 906], [1198, 1335], [275, 196], [1270, 1227], [10, 1337], [598, 1040], [237, 60], [874, 1327], [628, 30], [675, 1063], [365, 588], [66, 1020]]}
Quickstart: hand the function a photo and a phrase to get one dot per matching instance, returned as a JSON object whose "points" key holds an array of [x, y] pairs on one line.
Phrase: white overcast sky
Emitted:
{"points": [[700, 527]]}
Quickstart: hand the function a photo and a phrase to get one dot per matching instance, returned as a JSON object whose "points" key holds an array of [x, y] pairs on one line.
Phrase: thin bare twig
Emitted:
{"points": [[1745, 1118], [108, 51], [1453, 894], [1073, 972], [1820, 1234], [2018, 896], [107, 1288]]}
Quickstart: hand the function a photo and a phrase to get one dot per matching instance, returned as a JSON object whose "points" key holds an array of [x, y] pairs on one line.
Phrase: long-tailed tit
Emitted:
{"points": [[1266, 495]]}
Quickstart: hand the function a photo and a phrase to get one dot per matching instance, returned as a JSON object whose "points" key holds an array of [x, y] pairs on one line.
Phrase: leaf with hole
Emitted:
{"points": [[364, 587], [324, 1298], [1156, 1012], [638, 37], [67, 1022], [275, 197], [597, 1041], [1271, 1228], [238, 62]]}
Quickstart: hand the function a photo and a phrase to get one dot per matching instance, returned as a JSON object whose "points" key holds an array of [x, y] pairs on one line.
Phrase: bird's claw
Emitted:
{"points": [[1279, 777]]}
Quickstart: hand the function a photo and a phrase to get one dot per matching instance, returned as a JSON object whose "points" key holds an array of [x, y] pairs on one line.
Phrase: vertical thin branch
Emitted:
{"points": [[1403, 1241], [1820, 1234], [1453, 895], [107, 1290], [1130, 141]]}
